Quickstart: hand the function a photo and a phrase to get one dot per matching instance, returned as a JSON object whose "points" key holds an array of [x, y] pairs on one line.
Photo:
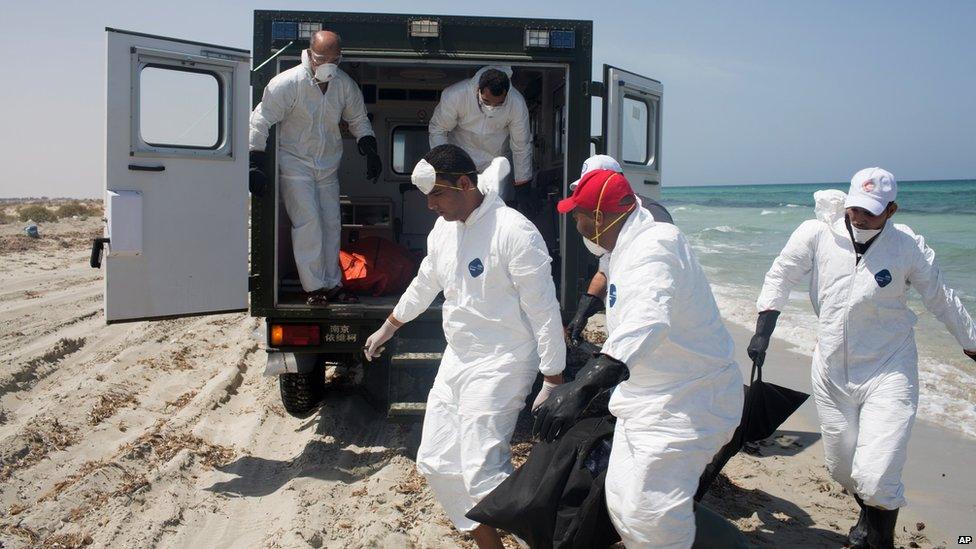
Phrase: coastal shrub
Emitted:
{"points": [[75, 208], [38, 213]]}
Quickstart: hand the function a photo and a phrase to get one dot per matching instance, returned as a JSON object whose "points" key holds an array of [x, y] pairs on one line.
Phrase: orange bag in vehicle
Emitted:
{"points": [[376, 266]]}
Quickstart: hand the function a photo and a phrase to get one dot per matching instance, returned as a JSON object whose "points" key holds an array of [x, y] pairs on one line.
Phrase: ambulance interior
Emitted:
{"points": [[400, 97]]}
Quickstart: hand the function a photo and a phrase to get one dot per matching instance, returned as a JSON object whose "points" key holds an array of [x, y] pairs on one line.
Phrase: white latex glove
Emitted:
{"points": [[544, 392], [374, 343]]}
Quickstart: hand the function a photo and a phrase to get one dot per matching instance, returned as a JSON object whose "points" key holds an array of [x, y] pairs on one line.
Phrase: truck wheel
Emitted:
{"points": [[302, 394]]}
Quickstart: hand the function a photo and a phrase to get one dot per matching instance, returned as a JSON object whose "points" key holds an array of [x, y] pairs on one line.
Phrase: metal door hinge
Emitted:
{"points": [[594, 89]]}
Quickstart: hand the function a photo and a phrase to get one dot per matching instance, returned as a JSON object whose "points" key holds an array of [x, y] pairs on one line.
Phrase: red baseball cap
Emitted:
{"points": [[599, 189]]}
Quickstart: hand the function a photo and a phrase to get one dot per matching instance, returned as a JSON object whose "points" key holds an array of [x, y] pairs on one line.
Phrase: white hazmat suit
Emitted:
{"points": [[865, 365], [502, 325], [683, 399], [460, 119], [309, 151]]}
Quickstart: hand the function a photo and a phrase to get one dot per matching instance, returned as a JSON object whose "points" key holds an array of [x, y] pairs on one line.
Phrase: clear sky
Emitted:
{"points": [[755, 92]]}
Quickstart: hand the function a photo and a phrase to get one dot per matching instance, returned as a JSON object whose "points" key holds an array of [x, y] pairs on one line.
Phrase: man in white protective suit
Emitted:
{"points": [[678, 390], [486, 116], [307, 103], [865, 365], [501, 322], [592, 301]]}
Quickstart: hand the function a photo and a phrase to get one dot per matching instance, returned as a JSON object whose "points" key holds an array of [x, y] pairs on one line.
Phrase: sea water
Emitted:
{"points": [[737, 231]]}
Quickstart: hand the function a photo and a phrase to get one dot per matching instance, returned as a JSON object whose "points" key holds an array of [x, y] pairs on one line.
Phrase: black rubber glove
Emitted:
{"points": [[588, 306], [560, 411], [526, 200], [368, 148], [970, 355], [765, 325], [256, 178]]}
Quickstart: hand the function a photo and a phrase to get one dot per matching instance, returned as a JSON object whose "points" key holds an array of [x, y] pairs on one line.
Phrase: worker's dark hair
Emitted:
{"points": [[495, 80], [451, 162]]}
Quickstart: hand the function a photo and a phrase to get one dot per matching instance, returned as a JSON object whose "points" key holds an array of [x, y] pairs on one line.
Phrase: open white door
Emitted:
{"points": [[632, 127], [176, 165]]}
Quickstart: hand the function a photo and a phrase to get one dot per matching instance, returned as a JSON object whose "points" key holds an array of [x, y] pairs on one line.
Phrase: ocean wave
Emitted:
{"points": [[732, 231], [723, 229], [718, 248], [946, 396], [767, 212]]}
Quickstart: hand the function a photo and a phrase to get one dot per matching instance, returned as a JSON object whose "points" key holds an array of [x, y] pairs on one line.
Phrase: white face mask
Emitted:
{"points": [[863, 235], [595, 248], [423, 176], [592, 246], [326, 72], [486, 108]]}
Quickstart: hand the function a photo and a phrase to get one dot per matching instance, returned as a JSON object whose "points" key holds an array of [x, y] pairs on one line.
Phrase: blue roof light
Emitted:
{"points": [[562, 39], [284, 30]]}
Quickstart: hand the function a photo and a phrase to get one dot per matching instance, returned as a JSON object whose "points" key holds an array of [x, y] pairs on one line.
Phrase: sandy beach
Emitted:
{"points": [[167, 434]]}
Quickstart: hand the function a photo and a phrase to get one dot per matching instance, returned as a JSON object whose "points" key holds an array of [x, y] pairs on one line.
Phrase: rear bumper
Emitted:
{"points": [[346, 337]]}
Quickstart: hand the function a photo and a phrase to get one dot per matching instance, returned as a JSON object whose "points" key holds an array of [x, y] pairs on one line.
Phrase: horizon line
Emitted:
{"points": [[812, 183], [12, 198]]}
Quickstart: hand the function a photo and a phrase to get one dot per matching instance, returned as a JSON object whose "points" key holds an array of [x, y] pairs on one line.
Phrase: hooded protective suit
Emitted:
{"points": [[309, 151], [459, 119], [502, 325], [658, 213], [865, 365], [683, 399]]}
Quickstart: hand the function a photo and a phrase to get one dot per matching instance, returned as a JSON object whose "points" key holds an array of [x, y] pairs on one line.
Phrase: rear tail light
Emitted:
{"points": [[295, 335]]}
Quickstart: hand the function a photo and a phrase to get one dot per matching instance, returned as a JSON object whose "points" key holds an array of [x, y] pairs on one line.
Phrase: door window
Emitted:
{"points": [[637, 128], [410, 144], [179, 108]]}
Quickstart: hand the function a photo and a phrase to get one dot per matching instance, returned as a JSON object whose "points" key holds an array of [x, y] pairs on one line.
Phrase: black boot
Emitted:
{"points": [[881, 527], [858, 536]]}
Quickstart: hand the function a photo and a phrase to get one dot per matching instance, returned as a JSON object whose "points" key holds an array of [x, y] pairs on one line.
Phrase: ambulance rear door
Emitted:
{"points": [[632, 127], [176, 160]]}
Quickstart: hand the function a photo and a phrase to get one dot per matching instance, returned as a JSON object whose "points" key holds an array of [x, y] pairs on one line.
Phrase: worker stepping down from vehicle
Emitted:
{"points": [[502, 325], [307, 102], [487, 117], [678, 395], [865, 365]]}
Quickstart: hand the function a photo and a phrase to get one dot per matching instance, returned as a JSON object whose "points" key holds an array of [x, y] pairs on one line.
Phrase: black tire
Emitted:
{"points": [[302, 394]]}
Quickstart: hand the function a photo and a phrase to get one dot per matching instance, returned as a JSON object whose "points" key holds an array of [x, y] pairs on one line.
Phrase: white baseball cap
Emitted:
{"points": [[872, 189], [596, 162]]}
